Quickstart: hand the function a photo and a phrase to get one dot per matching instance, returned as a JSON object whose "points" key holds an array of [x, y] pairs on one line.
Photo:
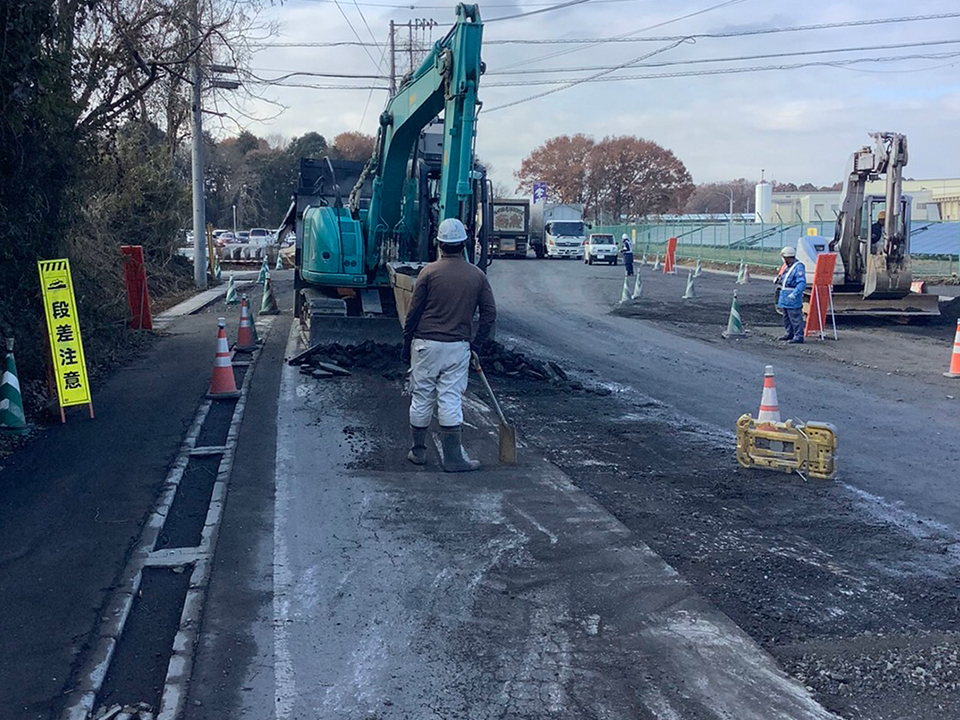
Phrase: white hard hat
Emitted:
{"points": [[451, 231], [625, 237], [789, 251]]}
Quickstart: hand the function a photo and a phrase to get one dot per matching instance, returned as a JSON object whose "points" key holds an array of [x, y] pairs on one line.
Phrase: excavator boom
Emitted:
{"points": [[394, 207]]}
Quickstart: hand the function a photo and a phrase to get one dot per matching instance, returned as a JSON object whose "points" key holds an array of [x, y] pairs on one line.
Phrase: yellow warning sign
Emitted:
{"points": [[63, 327], [812, 231]]}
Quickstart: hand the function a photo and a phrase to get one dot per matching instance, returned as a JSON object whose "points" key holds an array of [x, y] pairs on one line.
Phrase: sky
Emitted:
{"points": [[796, 125]]}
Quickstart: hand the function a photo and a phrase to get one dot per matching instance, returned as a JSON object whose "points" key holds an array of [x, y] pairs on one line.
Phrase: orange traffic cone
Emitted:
{"points": [[954, 371], [246, 341], [769, 409], [222, 384]]}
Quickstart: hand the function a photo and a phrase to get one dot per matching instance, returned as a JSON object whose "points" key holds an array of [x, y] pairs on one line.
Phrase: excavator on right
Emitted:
{"points": [[872, 238]]}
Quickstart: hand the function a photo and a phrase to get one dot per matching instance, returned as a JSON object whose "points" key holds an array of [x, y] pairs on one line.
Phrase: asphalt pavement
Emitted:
{"points": [[897, 435]]}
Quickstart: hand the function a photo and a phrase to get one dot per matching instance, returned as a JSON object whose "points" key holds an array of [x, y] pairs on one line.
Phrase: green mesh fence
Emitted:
{"points": [[757, 244]]}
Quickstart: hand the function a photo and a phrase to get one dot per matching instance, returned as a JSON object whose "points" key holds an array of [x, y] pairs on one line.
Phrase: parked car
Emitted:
{"points": [[600, 247], [243, 236], [224, 238], [261, 236]]}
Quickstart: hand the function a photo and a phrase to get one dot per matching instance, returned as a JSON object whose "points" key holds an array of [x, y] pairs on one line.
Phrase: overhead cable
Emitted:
{"points": [[711, 8], [549, 8], [739, 58], [719, 71]]}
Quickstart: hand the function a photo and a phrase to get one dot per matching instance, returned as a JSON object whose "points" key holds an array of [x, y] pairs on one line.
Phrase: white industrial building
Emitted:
{"points": [[933, 200]]}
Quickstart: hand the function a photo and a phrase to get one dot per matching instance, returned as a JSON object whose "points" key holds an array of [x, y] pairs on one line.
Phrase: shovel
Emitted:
{"points": [[508, 434]]}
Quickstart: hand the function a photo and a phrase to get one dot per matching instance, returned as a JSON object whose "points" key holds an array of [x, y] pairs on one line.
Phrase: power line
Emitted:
{"points": [[311, 73], [736, 33], [839, 64], [549, 56], [721, 71], [629, 39], [739, 58], [355, 33], [571, 83], [549, 8], [310, 86], [452, 5]]}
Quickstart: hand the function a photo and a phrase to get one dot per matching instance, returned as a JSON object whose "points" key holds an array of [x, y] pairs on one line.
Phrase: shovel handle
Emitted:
{"points": [[486, 383]]}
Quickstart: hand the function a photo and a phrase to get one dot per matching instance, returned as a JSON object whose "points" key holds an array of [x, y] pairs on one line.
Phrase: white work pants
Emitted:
{"points": [[439, 379]]}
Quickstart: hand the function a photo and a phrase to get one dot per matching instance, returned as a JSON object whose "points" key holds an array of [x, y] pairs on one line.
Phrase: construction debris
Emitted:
{"points": [[336, 360]]}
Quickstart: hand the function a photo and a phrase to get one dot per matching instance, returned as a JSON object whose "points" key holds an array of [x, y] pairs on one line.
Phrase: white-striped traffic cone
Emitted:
{"points": [[744, 275], [223, 384], [656, 264], [12, 418], [264, 269], [691, 291], [268, 306], [625, 293], [232, 297], [637, 287], [769, 407], [279, 264], [698, 270], [734, 323]]}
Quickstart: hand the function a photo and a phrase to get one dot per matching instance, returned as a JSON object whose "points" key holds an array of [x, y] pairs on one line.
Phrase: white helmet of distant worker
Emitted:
{"points": [[451, 232], [789, 252], [625, 237]]}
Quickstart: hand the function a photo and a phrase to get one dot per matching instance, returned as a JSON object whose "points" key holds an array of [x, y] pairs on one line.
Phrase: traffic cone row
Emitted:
{"points": [[12, 418], [691, 291], [268, 305], [223, 384], [954, 371], [734, 323], [769, 407], [246, 341]]}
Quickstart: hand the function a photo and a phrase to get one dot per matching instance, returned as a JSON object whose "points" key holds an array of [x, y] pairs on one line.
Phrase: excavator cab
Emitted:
{"points": [[885, 248]]}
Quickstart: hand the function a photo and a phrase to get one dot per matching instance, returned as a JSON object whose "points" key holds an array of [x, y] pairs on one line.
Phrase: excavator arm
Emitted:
{"points": [[884, 266], [351, 246]]}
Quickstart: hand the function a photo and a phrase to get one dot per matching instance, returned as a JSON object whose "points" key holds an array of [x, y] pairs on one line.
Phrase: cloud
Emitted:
{"points": [[798, 125]]}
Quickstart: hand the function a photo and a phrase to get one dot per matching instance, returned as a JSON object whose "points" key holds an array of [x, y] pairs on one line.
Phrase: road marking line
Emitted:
{"points": [[285, 687]]}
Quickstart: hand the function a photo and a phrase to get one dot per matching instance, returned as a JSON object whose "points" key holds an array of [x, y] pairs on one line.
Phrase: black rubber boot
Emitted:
{"points": [[454, 459], [418, 445]]}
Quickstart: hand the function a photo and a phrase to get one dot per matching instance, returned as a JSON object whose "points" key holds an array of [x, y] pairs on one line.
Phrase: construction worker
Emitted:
{"points": [[876, 230], [627, 251], [437, 338], [791, 281]]}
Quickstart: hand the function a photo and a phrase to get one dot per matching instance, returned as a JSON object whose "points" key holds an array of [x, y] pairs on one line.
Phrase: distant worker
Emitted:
{"points": [[627, 250], [792, 281], [876, 230], [437, 342]]}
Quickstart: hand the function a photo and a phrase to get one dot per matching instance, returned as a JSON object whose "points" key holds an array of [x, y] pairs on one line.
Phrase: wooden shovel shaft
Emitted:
{"points": [[486, 384]]}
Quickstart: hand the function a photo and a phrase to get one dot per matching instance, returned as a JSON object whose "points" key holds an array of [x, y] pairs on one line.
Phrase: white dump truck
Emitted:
{"points": [[557, 230]]}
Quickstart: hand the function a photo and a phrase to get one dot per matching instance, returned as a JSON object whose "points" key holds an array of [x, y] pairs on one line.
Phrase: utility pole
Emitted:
{"points": [[199, 211], [393, 60], [410, 46]]}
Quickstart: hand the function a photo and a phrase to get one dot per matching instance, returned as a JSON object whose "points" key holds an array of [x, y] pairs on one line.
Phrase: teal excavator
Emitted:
{"points": [[422, 171]]}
